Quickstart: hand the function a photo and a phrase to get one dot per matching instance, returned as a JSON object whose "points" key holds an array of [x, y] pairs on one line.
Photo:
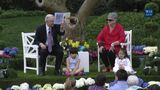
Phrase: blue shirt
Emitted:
{"points": [[73, 61], [120, 85], [95, 87], [133, 88]]}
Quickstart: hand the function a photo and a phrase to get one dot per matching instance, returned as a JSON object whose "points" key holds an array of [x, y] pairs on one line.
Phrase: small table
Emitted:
{"points": [[84, 60]]}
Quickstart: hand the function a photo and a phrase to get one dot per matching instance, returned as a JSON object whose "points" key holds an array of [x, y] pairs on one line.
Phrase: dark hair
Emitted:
{"points": [[154, 87], [122, 75], [100, 80], [73, 51], [124, 51]]}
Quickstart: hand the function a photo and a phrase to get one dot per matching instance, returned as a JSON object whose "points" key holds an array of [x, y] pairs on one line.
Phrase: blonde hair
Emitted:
{"points": [[70, 83]]}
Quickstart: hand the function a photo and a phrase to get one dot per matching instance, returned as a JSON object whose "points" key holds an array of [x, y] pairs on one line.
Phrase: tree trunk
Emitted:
{"points": [[75, 25]]}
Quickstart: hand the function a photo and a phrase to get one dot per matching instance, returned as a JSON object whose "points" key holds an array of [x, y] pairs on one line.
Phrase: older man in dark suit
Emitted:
{"points": [[46, 39]]}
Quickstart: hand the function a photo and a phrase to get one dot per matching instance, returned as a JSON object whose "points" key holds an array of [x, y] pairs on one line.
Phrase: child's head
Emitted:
{"points": [[70, 83], [100, 80], [122, 53], [73, 52]]}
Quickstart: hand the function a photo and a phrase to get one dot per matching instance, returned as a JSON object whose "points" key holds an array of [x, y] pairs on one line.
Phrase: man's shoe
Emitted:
{"points": [[57, 72], [42, 74]]}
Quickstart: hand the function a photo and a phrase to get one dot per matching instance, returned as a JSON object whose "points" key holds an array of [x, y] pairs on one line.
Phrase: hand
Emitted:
{"points": [[112, 47], [121, 66], [100, 49], [62, 26], [43, 46], [72, 73]]}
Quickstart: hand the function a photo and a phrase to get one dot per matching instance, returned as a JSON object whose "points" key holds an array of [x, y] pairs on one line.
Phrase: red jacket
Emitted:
{"points": [[108, 37]]}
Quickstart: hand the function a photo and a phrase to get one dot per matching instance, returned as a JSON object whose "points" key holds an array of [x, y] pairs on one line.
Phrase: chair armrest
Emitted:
{"points": [[124, 44], [33, 46]]}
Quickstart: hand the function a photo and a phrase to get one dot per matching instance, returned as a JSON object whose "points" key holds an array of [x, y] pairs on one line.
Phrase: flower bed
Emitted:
{"points": [[80, 84]]}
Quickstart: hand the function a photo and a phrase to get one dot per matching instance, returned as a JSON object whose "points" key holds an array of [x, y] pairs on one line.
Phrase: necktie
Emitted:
{"points": [[50, 41]]}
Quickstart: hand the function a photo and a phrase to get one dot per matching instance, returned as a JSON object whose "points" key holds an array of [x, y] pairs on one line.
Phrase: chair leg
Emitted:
{"points": [[46, 65], [24, 64], [37, 66], [98, 60]]}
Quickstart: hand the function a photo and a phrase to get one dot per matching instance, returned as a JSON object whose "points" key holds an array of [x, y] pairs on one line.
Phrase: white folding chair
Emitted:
{"points": [[30, 51], [127, 44]]}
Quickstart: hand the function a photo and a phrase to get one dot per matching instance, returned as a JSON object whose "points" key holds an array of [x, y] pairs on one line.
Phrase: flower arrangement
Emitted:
{"points": [[68, 43], [57, 86], [151, 50]]}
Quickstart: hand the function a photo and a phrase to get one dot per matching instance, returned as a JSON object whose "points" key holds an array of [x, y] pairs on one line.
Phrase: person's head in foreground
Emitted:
{"points": [[70, 84], [132, 80], [100, 80], [121, 75]]}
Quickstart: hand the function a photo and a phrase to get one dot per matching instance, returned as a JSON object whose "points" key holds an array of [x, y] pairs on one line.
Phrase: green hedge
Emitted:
{"points": [[20, 13]]}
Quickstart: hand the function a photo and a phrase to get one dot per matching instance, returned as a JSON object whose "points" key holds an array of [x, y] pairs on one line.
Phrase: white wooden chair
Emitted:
{"points": [[30, 51], [127, 43]]}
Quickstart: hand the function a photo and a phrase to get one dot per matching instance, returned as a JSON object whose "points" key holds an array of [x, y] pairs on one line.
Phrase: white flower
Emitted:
{"points": [[80, 83], [151, 50], [24, 86], [147, 67], [89, 81], [154, 82], [82, 79], [15, 87], [107, 85], [58, 86], [37, 86], [46, 86]]}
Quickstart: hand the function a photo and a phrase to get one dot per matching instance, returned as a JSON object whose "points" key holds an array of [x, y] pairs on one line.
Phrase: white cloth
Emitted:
{"points": [[126, 62]]}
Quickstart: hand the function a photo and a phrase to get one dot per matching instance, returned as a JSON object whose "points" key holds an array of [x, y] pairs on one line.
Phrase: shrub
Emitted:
{"points": [[0, 10], [151, 26], [13, 63], [2, 44], [120, 5], [11, 73], [136, 61], [152, 5], [16, 13], [149, 41], [1, 28]]}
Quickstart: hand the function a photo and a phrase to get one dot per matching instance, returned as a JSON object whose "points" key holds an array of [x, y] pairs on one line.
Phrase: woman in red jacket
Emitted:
{"points": [[109, 40]]}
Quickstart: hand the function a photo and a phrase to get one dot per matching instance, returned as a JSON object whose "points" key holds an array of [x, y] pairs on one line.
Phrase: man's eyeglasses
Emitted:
{"points": [[110, 20]]}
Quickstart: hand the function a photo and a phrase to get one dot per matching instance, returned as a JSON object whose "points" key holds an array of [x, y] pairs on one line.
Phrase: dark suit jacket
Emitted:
{"points": [[41, 36]]}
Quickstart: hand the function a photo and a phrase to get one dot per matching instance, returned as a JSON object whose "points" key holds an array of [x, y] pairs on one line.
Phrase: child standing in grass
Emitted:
{"points": [[73, 63], [123, 62]]}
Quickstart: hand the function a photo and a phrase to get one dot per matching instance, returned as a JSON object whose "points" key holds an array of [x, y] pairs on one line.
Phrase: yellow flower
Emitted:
{"points": [[66, 39], [86, 45], [70, 42], [77, 43], [73, 45]]}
